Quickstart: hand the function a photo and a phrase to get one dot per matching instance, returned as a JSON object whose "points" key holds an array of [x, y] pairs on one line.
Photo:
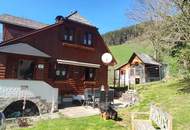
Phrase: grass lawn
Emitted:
{"points": [[173, 96], [123, 52], [85, 123]]}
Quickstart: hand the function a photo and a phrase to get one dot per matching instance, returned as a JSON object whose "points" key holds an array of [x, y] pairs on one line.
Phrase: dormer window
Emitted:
{"points": [[68, 34], [87, 39]]}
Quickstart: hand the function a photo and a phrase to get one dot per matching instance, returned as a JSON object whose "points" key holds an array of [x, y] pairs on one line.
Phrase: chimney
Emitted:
{"points": [[59, 19]]}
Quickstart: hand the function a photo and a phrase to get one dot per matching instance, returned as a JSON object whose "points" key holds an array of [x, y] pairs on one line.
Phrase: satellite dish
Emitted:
{"points": [[107, 58]]}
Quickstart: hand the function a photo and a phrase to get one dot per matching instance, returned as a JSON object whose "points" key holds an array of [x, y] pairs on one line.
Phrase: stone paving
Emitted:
{"points": [[79, 111]]}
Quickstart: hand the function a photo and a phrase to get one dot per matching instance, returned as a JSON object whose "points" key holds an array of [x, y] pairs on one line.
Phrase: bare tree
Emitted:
{"points": [[154, 12], [169, 26]]}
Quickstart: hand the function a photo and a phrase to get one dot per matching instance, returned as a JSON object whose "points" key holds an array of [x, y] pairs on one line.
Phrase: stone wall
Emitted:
{"points": [[43, 105], [37, 92]]}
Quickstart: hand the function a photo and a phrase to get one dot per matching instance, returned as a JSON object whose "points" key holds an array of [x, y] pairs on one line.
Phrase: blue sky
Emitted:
{"points": [[107, 15]]}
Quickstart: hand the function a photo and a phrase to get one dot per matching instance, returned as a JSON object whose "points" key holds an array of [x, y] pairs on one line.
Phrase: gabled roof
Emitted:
{"points": [[6, 18], [73, 17], [146, 59], [23, 49], [78, 18]]}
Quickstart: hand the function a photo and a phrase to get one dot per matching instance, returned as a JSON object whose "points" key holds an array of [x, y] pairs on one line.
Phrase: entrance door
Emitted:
{"points": [[26, 69], [137, 80], [77, 76]]}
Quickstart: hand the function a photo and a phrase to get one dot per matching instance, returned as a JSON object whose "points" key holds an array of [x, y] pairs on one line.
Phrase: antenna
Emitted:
{"points": [[72, 13]]}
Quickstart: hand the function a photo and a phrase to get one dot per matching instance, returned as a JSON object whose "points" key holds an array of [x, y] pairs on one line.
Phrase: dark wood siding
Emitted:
{"points": [[2, 66], [49, 41], [13, 31]]}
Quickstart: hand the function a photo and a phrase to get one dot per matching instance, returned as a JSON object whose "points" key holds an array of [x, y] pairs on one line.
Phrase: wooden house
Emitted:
{"points": [[140, 68], [66, 54]]}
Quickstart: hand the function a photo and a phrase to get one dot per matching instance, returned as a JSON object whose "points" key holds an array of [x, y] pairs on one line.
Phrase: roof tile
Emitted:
{"points": [[6, 18]]}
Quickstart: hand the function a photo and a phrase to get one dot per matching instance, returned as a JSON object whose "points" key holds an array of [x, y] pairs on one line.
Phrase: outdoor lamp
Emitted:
{"points": [[91, 75], [63, 72], [58, 72], [102, 87]]}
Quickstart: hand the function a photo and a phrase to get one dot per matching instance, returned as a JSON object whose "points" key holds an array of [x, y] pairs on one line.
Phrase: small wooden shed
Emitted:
{"points": [[139, 69]]}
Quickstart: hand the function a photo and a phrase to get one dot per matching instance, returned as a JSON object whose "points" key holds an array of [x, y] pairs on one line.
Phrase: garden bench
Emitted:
{"points": [[158, 120]]}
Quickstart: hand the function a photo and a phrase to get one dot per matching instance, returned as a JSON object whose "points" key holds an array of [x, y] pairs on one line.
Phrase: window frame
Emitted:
{"points": [[68, 32], [87, 72], [61, 68], [87, 36]]}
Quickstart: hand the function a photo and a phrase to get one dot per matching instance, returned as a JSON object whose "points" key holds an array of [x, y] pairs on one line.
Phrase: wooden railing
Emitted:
{"points": [[161, 118]]}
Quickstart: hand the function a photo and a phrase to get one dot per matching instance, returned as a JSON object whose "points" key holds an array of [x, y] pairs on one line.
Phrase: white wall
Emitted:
{"points": [[14, 89]]}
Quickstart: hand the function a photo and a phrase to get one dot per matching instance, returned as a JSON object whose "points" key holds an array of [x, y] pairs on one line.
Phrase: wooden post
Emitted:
{"points": [[114, 78], [159, 73], [124, 77], [170, 123], [119, 78]]}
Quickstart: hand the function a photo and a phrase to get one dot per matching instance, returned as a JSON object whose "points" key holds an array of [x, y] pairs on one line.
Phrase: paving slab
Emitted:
{"points": [[79, 111]]}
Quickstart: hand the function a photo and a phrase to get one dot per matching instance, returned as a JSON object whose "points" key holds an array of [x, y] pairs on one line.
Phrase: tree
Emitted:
{"points": [[153, 12], [169, 27]]}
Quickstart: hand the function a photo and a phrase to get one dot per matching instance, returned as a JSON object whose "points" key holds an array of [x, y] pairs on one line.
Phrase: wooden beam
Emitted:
{"points": [[114, 78], [119, 78]]}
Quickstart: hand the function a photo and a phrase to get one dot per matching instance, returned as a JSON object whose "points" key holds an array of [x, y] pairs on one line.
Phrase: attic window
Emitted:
{"points": [[87, 39], [68, 34]]}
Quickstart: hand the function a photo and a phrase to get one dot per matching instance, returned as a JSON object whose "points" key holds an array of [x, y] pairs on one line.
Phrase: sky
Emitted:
{"points": [[107, 15]]}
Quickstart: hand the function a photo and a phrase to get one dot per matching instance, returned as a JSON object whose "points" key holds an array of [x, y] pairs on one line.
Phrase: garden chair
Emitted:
{"points": [[110, 97], [96, 97], [88, 93]]}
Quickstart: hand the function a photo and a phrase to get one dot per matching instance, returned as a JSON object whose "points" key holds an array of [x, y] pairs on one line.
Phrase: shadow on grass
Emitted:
{"points": [[184, 86], [119, 119]]}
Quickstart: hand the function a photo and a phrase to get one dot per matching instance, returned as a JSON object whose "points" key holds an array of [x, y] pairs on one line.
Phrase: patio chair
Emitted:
{"points": [[88, 96], [110, 97], [102, 97], [102, 101], [96, 97]]}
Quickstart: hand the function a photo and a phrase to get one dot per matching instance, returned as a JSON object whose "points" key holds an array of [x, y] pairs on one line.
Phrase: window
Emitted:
{"points": [[61, 72], [89, 74], [138, 70], [132, 73], [87, 39], [68, 34]]}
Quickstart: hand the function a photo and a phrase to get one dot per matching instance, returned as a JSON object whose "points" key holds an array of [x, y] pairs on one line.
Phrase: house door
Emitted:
{"points": [[77, 76], [137, 80]]}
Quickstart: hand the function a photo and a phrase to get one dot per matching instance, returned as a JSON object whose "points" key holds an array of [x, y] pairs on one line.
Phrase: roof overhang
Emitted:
{"points": [[23, 49], [77, 63]]}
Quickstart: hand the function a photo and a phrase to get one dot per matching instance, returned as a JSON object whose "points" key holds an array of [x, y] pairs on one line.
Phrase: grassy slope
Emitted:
{"points": [[85, 123], [123, 52], [172, 96]]}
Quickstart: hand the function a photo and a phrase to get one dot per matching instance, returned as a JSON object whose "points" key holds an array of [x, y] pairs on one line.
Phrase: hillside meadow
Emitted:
{"points": [[172, 96]]}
